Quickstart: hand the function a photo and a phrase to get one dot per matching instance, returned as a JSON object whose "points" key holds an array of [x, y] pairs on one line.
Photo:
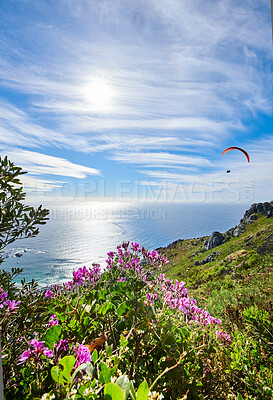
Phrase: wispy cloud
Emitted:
{"points": [[34, 185], [160, 159], [183, 76], [37, 163]]}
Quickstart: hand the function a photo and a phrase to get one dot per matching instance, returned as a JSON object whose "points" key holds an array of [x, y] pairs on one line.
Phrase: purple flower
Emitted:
{"points": [[38, 350], [48, 294], [68, 285], [13, 305], [53, 321], [224, 337], [184, 304], [25, 356], [78, 277], [82, 355], [3, 295], [60, 347], [151, 297], [135, 247]]}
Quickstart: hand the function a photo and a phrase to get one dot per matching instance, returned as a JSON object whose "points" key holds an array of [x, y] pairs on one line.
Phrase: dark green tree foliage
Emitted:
{"points": [[17, 220]]}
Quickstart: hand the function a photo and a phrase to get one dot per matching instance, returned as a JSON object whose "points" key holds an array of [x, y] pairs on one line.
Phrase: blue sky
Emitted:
{"points": [[119, 99]]}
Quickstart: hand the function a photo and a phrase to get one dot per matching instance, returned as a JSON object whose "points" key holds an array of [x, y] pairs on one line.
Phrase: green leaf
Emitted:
{"points": [[123, 341], [143, 391], [80, 368], [124, 383], [52, 336], [95, 356], [102, 294], [90, 369], [67, 363], [113, 392], [240, 397], [105, 307], [55, 373], [109, 350], [105, 375], [122, 309]]}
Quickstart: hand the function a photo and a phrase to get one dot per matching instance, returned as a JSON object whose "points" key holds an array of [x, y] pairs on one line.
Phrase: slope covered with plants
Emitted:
{"points": [[128, 332], [198, 326]]}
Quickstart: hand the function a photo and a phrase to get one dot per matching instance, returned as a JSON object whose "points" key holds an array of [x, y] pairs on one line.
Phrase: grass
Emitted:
{"points": [[240, 273]]}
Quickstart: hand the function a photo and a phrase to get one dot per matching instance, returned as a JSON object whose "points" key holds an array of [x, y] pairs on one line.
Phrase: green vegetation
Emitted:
{"points": [[17, 220], [130, 332], [238, 288]]}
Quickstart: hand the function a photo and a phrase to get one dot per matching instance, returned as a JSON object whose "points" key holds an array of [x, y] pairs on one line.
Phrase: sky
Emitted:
{"points": [[135, 100]]}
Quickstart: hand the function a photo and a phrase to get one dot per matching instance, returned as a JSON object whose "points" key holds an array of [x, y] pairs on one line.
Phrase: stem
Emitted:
{"points": [[167, 370]]}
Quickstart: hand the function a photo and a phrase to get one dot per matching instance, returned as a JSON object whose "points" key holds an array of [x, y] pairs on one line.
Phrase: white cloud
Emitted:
{"points": [[35, 185], [40, 164], [184, 75], [160, 158]]}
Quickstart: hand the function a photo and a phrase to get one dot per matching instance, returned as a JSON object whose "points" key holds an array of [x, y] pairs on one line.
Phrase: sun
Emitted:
{"points": [[98, 95]]}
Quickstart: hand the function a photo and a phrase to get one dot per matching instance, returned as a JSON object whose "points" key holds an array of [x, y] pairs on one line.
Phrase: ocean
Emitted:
{"points": [[81, 234]]}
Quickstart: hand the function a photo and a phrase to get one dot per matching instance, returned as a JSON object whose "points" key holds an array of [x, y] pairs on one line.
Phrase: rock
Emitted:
{"points": [[251, 218], [215, 239], [209, 258], [239, 230], [262, 208]]}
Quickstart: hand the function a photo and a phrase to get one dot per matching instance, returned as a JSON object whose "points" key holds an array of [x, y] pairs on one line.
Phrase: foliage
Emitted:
{"points": [[128, 333], [122, 333], [17, 220]]}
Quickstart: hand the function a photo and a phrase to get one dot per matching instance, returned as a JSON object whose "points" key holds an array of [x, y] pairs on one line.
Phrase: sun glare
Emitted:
{"points": [[98, 95]]}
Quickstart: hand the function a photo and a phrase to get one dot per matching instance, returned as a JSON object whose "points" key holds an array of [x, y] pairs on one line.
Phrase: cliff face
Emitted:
{"points": [[251, 215]]}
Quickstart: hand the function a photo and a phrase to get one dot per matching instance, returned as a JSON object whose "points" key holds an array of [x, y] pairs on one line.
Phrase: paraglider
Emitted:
{"points": [[237, 148], [228, 171]]}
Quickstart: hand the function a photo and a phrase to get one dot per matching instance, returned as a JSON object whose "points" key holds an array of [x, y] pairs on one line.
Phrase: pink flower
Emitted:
{"points": [[82, 355], [3, 295], [68, 285], [25, 356], [224, 337], [151, 297], [78, 277], [53, 321], [135, 247], [60, 347], [13, 305], [48, 294], [38, 350], [184, 304]]}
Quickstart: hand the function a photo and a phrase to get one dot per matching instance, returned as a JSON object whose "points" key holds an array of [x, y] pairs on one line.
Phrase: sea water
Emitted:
{"points": [[81, 234]]}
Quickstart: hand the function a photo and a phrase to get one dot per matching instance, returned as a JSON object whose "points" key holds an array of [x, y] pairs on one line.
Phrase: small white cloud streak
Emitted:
{"points": [[160, 158], [39, 164], [33, 184]]}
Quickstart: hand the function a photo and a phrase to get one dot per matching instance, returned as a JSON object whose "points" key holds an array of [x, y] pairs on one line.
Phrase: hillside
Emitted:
{"points": [[130, 333], [237, 270]]}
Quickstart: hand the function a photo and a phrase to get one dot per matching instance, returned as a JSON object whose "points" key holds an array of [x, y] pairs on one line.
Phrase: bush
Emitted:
{"points": [[125, 330], [17, 220]]}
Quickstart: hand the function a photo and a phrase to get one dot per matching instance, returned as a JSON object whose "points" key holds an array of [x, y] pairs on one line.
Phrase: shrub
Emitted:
{"points": [[123, 330]]}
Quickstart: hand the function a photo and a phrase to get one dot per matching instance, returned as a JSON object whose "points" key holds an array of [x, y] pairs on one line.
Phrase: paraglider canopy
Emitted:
{"points": [[237, 148]]}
